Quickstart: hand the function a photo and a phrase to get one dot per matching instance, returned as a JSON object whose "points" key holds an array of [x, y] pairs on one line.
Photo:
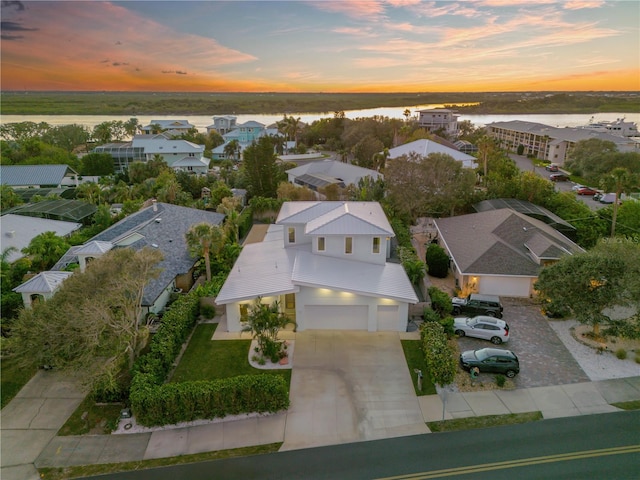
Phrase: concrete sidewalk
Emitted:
{"points": [[554, 401]]}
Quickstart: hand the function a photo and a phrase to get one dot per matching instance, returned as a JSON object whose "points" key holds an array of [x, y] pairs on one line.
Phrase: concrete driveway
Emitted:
{"points": [[31, 420], [349, 387]]}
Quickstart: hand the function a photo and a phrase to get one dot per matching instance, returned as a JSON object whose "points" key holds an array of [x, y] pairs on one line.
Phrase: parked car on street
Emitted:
{"points": [[482, 326], [552, 167], [491, 360], [558, 177], [477, 304], [608, 198], [586, 191]]}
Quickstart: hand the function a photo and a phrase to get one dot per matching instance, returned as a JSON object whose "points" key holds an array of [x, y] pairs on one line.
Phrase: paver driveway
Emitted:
{"points": [[348, 387], [544, 360]]}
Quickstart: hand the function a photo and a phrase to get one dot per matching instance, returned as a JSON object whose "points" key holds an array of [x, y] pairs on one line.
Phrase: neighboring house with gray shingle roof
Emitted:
{"points": [[25, 176], [326, 172], [500, 252], [162, 226]]}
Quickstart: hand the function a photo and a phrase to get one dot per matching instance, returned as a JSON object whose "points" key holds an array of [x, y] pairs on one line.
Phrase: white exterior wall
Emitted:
{"points": [[322, 296], [234, 323], [362, 248], [301, 238]]}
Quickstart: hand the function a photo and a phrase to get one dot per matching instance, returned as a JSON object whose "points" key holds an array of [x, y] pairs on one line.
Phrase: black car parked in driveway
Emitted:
{"points": [[477, 304], [491, 360]]}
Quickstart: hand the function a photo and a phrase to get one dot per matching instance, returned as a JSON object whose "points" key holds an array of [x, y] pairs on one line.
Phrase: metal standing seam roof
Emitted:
{"points": [[349, 174], [44, 282], [94, 248], [351, 217], [425, 147], [269, 268], [18, 231], [387, 281], [19, 175], [191, 162]]}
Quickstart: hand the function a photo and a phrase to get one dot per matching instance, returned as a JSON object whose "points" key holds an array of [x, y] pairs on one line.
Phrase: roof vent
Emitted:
{"points": [[158, 220], [154, 245], [10, 233]]}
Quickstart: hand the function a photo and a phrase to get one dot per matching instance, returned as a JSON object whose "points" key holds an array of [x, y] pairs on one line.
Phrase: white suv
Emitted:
{"points": [[487, 328]]}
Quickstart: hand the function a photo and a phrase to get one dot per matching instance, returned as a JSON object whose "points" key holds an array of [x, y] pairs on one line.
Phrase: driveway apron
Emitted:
{"points": [[349, 386], [31, 420]]}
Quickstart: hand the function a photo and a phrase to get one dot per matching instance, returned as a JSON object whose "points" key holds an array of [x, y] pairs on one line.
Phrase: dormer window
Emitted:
{"points": [[348, 245], [292, 235], [321, 246], [375, 247]]}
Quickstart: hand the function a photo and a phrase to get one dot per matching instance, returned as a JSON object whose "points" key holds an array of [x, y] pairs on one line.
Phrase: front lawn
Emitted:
{"points": [[92, 418], [205, 359], [415, 360]]}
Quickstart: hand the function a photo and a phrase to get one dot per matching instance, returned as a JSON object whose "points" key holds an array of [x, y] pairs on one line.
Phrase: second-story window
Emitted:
{"points": [[375, 248], [321, 244], [348, 245], [292, 235]]}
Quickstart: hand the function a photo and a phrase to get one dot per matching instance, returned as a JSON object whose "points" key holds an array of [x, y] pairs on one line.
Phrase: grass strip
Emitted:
{"points": [[415, 361], [14, 377], [631, 405], [63, 473], [488, 421]]}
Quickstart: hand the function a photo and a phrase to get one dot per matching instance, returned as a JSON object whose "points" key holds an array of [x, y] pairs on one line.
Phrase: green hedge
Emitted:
{"points": [[182, 402], [155, 403]]}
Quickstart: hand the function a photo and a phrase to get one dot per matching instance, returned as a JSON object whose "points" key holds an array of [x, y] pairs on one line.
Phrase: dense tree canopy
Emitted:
{"points": [[589, 283], [436, 185], [91, 326]]}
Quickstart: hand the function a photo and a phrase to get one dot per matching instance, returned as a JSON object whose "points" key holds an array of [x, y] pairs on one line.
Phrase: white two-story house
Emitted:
{"points": [[326, 264]]}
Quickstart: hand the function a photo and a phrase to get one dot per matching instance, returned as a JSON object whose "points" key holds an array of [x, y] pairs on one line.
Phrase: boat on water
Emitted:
{"points": [[620, 127]]}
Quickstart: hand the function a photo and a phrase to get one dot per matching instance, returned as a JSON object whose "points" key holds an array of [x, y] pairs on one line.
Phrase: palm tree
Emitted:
{"points": [[232, 149], [229, 207], [619, 180], [203, 240]]}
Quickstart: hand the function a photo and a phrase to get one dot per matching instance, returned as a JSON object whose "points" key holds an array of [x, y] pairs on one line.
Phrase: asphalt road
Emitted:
{"points": [[591, 446]]}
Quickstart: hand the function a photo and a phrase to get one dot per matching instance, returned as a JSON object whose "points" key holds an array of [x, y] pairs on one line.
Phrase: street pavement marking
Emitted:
{"points": [[562, 457]]}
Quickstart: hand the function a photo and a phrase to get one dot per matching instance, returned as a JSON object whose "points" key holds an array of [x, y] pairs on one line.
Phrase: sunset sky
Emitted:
{"points": [[321, 46]]}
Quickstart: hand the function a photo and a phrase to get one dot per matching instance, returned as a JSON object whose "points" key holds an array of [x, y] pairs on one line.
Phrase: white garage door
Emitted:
{"points": [[504, 286], [336, 317], [387, 318]]}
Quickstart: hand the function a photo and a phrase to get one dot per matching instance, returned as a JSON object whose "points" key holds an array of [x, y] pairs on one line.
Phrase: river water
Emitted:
{"points": [[202, 121]]}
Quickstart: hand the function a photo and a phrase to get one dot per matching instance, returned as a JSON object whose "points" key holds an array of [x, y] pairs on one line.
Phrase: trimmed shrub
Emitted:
{"points": [[155, 403], [207, 311], [430, 315], [437, 261], [440, 301], [439, 355], [621, 353], [183, 402]]}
